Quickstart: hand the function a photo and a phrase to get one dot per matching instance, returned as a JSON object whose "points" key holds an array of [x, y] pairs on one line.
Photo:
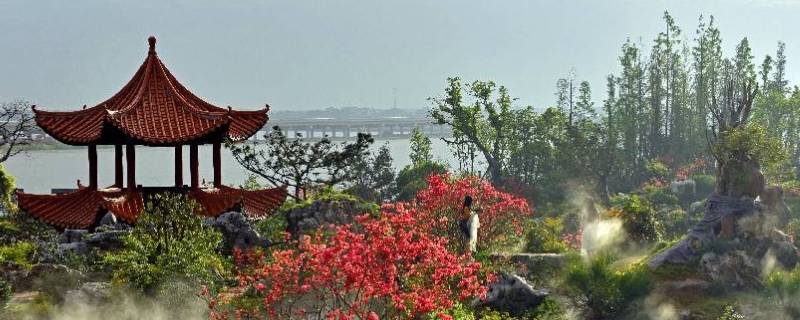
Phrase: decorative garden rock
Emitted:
{"points": [[90, 293], [318, 214], [236, 232], [72, 235], [107, 240], [108, 219], [512, 294]]}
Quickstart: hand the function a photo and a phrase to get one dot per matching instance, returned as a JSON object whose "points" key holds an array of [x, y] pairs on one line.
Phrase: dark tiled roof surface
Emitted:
{"points": [[153, 107], [80, 209]]}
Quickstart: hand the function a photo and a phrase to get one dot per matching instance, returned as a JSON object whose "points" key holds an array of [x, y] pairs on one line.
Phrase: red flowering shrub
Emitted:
{"points": [[380, 268], [501, 214], [400, 265]]}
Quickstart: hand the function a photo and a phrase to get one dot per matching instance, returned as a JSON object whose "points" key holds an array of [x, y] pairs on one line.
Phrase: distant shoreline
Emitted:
{"points": [[55, 145]]}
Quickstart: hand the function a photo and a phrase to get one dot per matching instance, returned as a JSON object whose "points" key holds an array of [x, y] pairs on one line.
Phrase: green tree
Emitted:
{"points": [[421, 150], [373, 177], [300, 164], [481, 124], [169, 241]]}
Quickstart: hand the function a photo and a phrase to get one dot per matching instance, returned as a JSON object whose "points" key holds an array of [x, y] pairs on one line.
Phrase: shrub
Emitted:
{"points": [[545, 236], [660, 195], [730, 313], [384, 267], [7, 186], [169, 240], [502, 215], [606, 291], [330, 195], [20, 253], [704, 184], [676, 221], [5, 292], [638, 216], [272, 228], [413, 178]]}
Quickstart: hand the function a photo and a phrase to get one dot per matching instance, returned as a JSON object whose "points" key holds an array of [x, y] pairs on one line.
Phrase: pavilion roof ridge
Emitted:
{"points": [[153, 107]]}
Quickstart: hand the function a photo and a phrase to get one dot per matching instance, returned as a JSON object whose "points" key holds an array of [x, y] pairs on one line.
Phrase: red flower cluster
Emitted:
{"points": [[400, 265], [501, 214], [387, 265]]}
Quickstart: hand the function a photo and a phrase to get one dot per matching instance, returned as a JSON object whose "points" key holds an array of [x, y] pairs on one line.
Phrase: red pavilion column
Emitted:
{"points": [[93, 166], [179, 166], [217, 164], [194, 165], [118, 176], [130, 156]]}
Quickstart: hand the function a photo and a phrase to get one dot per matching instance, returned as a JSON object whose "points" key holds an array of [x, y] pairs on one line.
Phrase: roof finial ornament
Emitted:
{"points": [[152, 41]]}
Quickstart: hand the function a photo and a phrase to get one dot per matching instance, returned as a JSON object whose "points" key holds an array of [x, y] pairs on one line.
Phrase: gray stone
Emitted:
{"points": [[90, 293], [108, 220], [78, 248], [320, 214], [684, 188], [72, 235], [107, 240], [512, 294], [236, 232]]}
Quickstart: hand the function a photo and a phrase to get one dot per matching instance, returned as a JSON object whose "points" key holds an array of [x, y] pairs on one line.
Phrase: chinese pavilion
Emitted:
{"points": [[153, 109]]}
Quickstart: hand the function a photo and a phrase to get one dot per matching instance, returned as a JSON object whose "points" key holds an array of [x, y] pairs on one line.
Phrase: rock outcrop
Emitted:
{"points": [[236, 232], [308, 219], [512, 294]]}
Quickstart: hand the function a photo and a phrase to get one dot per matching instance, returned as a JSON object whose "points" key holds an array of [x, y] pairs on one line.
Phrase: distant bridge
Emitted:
{"points": [[392, 127]]}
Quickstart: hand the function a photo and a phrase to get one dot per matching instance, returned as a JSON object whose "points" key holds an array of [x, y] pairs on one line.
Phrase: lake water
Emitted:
{"points": [[39, 171]]}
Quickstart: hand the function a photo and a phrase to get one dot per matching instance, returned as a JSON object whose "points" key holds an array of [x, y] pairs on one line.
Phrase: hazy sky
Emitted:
{"points": [[317, 54]]}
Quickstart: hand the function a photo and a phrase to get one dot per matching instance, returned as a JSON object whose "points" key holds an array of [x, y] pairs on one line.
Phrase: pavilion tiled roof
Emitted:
{"points": [[80, 209], [152, 108]]}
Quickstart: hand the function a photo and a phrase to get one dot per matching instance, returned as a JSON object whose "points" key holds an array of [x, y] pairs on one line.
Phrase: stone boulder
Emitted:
{"points": [[49, 277], [308, 219], [734, 268], [72, 235], [72, 248], [684, 189], [92, 293], [512, 294], [236, 232], [106, 240], [108, 220]]}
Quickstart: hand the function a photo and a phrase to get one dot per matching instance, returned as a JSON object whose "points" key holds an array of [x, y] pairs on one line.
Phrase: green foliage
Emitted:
{"points": [[658, 169], [7, 186], [606, 291], [660, 196], [704, 184], [300, 164], [413, 178], [373, 177], [730, 313], [272, 228], [421, 151], [20, 253], [784, 283], [748, 143], [251, 183], [639, 217], [675, 221], [544, 236], [330, 195], [548, 310], [168, 241], [5, 292]]}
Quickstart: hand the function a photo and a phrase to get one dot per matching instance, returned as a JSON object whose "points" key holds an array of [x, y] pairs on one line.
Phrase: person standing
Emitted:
{"points": [[469, 225]]}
